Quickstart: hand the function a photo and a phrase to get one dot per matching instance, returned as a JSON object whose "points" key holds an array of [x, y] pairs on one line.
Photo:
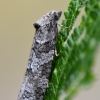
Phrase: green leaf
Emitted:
{"points": [[73, 67]]}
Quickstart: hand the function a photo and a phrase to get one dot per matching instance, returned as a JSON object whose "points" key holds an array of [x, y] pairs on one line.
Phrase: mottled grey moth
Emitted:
{"points": [[41, 56]]}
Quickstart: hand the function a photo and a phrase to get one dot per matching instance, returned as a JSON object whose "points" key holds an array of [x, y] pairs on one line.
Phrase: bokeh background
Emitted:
{"points": [[16, 36]]}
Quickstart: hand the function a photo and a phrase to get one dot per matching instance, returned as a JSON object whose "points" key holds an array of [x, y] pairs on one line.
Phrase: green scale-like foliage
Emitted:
{"points": [[72, 68]]}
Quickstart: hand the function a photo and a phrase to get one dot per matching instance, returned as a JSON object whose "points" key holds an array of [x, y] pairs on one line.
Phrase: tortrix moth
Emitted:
{"points": [[41, 56]]}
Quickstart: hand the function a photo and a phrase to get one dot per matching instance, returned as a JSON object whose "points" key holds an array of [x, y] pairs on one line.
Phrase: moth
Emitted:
{"points": [[41, 56]]}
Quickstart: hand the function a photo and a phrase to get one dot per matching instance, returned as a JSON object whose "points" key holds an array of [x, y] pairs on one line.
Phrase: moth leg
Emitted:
{"points": [[64, 26], [56, 52], [47, 85]]}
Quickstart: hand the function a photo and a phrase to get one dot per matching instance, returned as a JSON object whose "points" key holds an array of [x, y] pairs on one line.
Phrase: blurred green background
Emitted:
{"points": [[16, 36]]}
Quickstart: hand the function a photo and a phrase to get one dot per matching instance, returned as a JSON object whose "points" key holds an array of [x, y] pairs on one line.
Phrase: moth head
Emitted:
{"points": [[55, 15], [52, 16]]}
